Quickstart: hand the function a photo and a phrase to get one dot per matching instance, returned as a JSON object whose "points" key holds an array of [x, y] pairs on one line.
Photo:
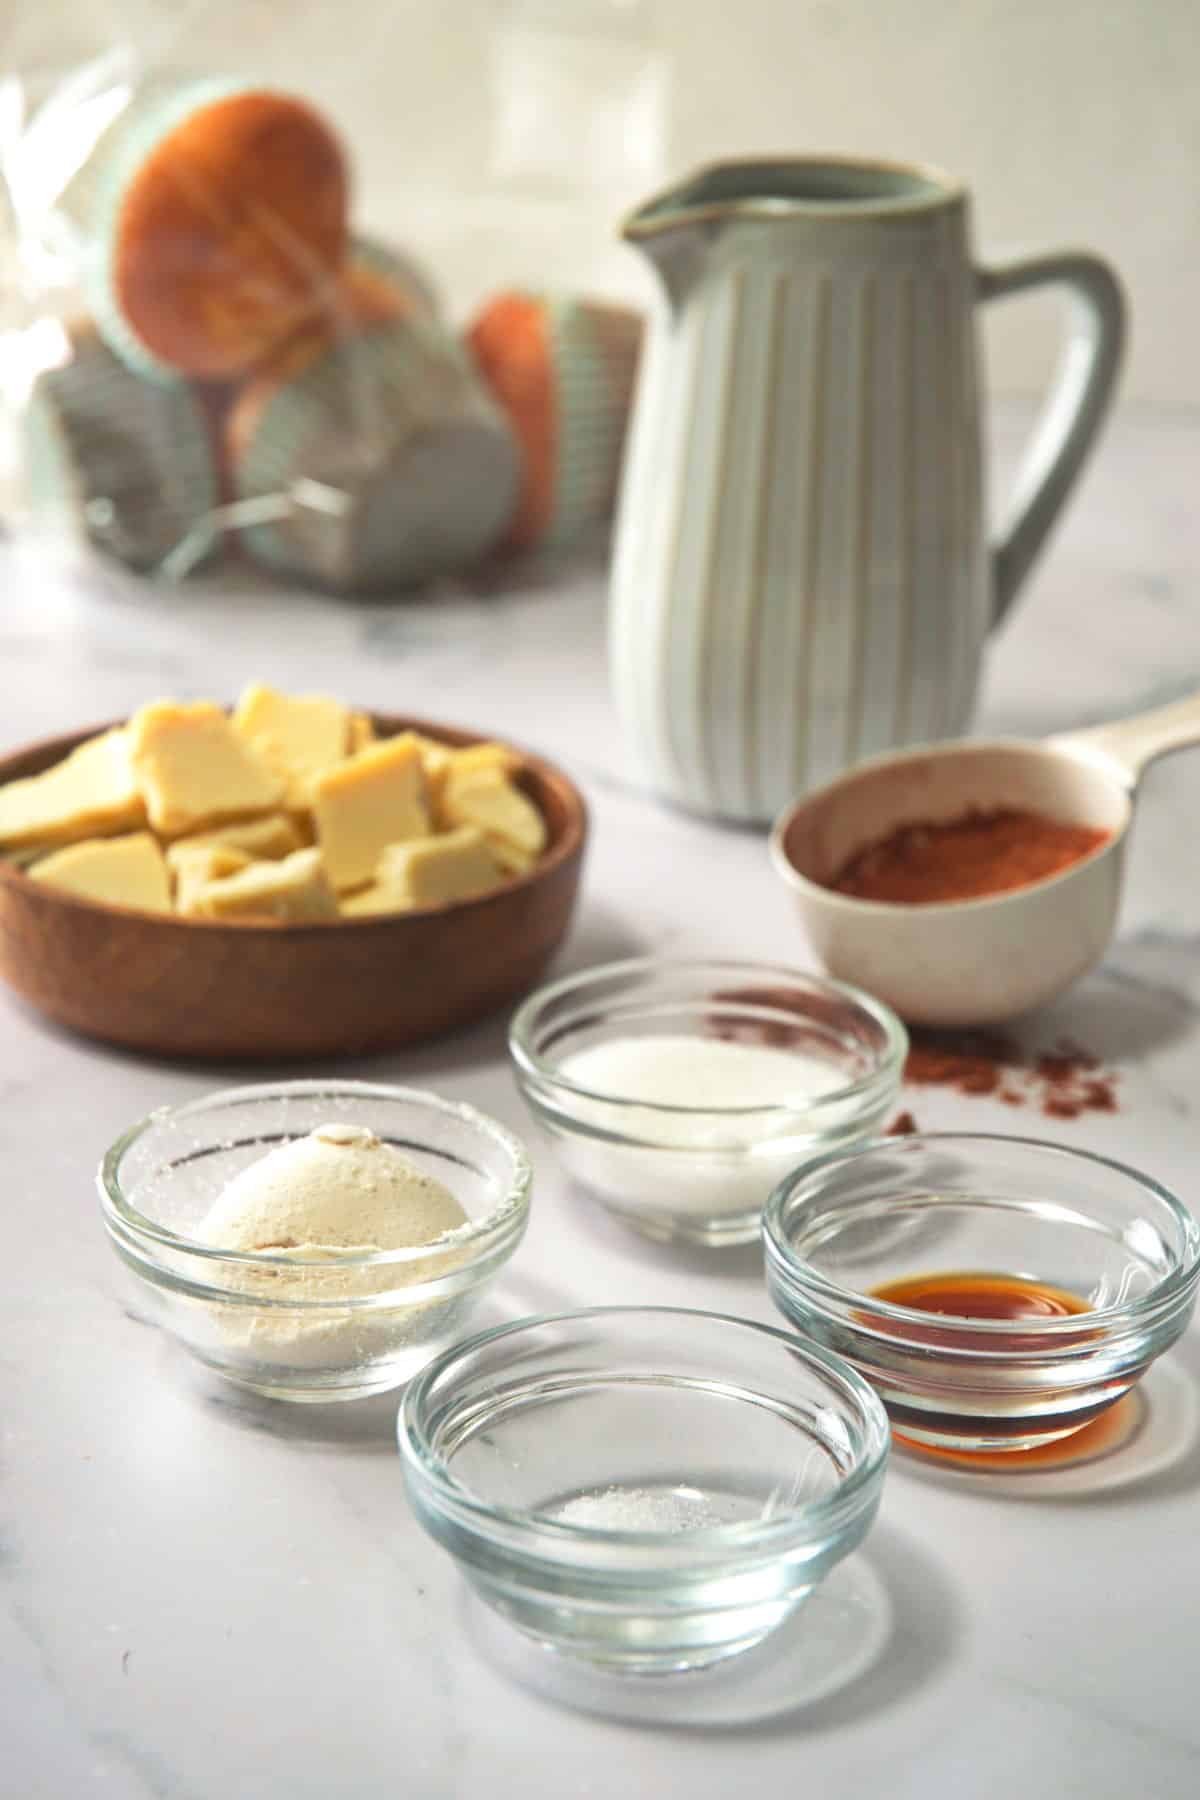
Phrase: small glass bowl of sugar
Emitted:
{"points": [[679, 1094]]}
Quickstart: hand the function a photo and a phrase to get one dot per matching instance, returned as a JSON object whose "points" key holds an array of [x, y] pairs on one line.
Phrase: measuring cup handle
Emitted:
{"points": [[1131, 744], [1074, 411]]}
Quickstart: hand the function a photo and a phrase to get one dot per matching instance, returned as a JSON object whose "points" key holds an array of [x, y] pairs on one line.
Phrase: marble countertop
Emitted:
{"points": [[205, 1595]]}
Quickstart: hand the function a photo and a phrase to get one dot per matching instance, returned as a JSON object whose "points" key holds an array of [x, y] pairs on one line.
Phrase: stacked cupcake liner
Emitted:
{"points": [[590, 352], [101, 189], [130, 462], [342, 441], [384, 460], [595, 373], [404, 272], [78, 199]]}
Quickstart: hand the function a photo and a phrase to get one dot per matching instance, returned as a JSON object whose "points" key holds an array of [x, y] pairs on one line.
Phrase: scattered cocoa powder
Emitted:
{"points": [[974, 1062], [809, 1012], [1063, 1081]]}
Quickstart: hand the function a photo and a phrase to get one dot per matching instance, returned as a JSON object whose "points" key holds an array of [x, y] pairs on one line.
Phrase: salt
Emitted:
{"points": [[745, 1114], [662, 1509]]}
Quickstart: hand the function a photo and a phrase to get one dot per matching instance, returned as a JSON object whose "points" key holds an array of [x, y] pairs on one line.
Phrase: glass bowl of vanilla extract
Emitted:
{"points": [[1000, 1294]]}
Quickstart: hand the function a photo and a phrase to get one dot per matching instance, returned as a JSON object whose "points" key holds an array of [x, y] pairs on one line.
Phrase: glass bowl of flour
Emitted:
{"points": [[679, 1094], [315, 1240]]}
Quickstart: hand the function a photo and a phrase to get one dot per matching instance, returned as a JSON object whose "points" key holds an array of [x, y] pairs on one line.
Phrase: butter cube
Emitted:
{"points": [[452, 765], [483, 756], [193, 866], [511, 859], [485, 797], [435, 870], [362, 732], [194, 769], [435, 759], [297, 735], [272, 836], [430, 871], [121, 871], [295, 889], [92, 792], [374, 799], [378, 898]]}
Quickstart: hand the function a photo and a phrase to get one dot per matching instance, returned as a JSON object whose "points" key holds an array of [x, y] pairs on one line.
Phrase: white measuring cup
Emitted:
{"points": [[975, 962]]}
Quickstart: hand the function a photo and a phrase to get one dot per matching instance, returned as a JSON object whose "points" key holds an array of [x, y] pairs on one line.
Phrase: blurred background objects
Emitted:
{"points": [[502, 138]]}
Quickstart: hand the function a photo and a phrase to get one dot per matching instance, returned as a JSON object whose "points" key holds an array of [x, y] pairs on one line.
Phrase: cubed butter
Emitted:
{"points": [[297, 735], [485, 797], [455, 765], [193, 866], [362, 732], [489, 755], [430, 871], [194, 769], [435, 759], [512, 860], [294, 890], [374, 799], [269, 837], [91, 793], [378, 898], [29, 853], [121, 871]]}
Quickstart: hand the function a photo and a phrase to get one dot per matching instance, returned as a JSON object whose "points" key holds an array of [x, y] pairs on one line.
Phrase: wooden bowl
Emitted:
{"points": [[202, 988]]}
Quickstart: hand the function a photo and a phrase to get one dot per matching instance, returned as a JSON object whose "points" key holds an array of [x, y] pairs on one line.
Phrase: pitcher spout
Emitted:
{"points": [[679, 227], [675, 234]]}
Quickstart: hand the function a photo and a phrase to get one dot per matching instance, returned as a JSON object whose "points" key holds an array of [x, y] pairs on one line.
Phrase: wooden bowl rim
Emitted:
{"points": [[569, 845]]}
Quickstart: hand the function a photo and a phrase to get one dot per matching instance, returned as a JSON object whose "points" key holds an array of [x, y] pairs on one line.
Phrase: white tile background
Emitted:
{"points": [[1075, 122]]}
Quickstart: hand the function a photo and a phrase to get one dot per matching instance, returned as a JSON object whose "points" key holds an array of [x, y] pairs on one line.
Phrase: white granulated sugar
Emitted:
{"points": [[748, 1114], [698, 1072]]}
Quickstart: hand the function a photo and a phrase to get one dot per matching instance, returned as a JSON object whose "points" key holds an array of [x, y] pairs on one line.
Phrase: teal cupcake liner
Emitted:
{"points": [[147, 125], [593, 378], [592, 352], [123, 463], [75, 204], [398, 267], [389, 462]]}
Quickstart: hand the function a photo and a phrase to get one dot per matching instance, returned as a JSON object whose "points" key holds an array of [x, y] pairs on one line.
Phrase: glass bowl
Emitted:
{"points": [[364, 1322], [942, 1204], [702, 1173], [645, 1488]]}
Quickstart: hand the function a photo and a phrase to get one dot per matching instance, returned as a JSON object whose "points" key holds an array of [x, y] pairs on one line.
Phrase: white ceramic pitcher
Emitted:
{"points": [[801, 574]]}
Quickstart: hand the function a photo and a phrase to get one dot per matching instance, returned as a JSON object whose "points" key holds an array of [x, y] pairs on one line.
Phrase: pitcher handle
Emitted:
{"points": [[1074, 411]]}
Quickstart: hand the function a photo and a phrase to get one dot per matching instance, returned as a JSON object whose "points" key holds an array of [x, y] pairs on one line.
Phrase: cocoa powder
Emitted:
{"points": [[932, 861], [903, 1125], [1062, 1082]]}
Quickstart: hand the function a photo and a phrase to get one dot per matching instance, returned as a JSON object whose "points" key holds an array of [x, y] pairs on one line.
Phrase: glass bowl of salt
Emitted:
{"points": [[679, 1093], [647, 1489]]}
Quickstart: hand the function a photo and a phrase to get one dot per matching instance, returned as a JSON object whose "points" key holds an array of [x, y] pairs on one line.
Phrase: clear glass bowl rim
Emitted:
{"points": [[778, 1248], [534, 1067], [871, 1442], [506, 1218]]}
